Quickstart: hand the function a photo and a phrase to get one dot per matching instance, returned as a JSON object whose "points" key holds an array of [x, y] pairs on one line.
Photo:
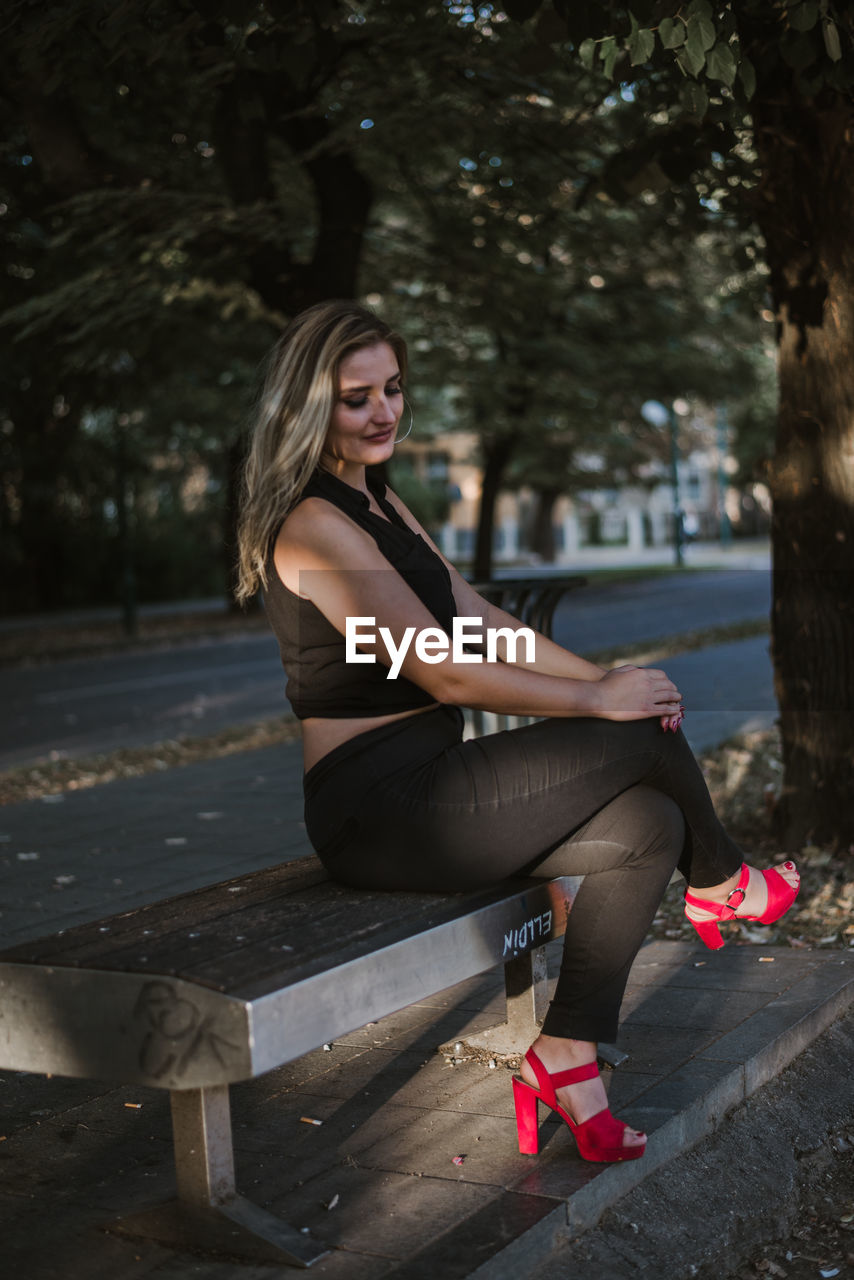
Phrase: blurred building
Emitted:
{"points": [[444, 477]]}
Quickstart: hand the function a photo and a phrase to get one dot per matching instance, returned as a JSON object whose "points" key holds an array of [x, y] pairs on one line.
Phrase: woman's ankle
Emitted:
{"points": [[563, 1049], [719, 892]]}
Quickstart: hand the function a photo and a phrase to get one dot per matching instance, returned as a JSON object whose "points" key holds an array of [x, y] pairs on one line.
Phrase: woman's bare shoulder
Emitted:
{"points": [[317, 535], [310, 517]]}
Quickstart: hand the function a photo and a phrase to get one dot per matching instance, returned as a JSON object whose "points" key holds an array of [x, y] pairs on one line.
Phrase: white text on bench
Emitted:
{"points": [[432, 644], [532, 931]]}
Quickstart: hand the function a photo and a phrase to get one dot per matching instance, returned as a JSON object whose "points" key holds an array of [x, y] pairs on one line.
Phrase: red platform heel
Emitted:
{"points": [[598, 1139], [781, 895]]}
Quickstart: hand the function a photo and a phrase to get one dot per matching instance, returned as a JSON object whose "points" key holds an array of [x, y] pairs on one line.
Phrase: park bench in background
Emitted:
{"points": [[533, 601], [203, 990]]}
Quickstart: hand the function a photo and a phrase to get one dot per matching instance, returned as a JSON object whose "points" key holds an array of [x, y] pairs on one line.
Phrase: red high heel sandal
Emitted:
{"points": [[599, 1139], [781, 895]]}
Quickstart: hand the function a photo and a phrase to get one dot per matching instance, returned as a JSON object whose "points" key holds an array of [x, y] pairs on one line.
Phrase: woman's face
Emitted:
{"points": [[368, 408]]}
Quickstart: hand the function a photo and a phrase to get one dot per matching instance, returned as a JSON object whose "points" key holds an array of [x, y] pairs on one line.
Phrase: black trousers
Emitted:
{"points": [[410, 805]]}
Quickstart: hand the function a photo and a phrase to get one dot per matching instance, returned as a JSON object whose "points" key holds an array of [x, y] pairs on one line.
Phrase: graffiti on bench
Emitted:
{"points": [[178, 1032], [533, 930]]}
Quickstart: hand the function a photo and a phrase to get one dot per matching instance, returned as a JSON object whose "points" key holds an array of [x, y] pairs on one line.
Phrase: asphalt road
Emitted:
{"points": [[83, 706], [88, 705], [598, 617]]}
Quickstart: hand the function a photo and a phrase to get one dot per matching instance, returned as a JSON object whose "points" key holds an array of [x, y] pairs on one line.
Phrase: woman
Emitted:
{"points": [[395, 798]]}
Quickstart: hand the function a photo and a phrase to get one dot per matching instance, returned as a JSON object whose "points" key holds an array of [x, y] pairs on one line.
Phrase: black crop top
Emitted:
{"points": [[320, 682]]}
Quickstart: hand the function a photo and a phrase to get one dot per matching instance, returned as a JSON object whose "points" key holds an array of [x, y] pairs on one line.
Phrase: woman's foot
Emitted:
{"points": [[750, 894], [582, 1100], [755, 900]]}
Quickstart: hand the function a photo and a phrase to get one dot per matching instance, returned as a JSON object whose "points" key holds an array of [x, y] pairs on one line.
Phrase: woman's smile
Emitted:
{"points": [[369, 407]]}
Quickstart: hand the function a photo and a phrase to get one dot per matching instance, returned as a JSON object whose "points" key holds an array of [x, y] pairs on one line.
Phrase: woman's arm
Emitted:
{"points": [[550, 658], [321, 555]]}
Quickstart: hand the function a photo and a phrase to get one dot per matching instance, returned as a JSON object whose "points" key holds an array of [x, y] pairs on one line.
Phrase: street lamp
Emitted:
{"points": [[661, 416], [724, 525]]}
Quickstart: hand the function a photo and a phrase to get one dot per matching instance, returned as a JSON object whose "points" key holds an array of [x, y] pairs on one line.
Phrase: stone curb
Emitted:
{"points": [[801, 1015]]}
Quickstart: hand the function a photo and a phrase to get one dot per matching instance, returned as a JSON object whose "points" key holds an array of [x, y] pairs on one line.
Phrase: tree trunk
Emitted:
{"points": [[344, 199], [805, 204], [543, 533], [496, 455], [235, 455], [45, 575]]}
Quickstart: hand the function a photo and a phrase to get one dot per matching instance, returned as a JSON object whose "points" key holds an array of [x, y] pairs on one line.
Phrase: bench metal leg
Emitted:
{"points": [[204, 1158], [526, 988], [208, 1215], [527, 995]]}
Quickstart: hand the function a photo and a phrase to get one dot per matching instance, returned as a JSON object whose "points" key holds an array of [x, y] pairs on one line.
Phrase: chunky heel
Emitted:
{"points": [[781, 895], [710, 933], [525, 1099], [599, 1139]]}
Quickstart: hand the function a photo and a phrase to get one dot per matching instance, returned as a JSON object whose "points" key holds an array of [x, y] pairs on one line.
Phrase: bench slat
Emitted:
{"points": [[220, 941], [278, 934], [245, 973], [93, 943]]}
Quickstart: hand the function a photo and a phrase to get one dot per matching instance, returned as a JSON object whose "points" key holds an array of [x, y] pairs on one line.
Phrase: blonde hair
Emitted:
{"points": [[292, 419]]}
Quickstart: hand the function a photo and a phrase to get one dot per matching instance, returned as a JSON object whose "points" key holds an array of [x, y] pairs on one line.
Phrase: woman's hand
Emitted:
{"points": [[669, 723], [672, 723], [636, 693]]}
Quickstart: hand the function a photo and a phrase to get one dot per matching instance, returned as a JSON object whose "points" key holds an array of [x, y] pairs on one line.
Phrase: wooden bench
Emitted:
{"points": [[217, 986]]}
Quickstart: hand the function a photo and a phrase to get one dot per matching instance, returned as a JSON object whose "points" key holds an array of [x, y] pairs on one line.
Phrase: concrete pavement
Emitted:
{"points": [[746, 553], [413, 1171], [85, 854]]}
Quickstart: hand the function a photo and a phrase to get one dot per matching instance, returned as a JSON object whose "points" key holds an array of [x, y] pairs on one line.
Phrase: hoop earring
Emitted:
{"points": [[409, 428]]}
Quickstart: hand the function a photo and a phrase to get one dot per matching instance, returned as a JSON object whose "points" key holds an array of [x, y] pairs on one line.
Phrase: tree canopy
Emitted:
{"points": [[180, 179]]}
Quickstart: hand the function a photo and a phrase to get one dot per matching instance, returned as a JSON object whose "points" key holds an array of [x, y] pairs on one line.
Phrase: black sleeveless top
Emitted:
{"points": [[320, 682]]}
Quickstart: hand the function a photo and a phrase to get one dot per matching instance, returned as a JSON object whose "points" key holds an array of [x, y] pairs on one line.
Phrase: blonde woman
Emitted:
{"points": [[364, 606]]}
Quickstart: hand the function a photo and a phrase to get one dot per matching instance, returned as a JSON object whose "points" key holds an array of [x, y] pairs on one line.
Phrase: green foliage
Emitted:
{"points": [[427, 500], [705, 42], [672, 32], [640, 43]]}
